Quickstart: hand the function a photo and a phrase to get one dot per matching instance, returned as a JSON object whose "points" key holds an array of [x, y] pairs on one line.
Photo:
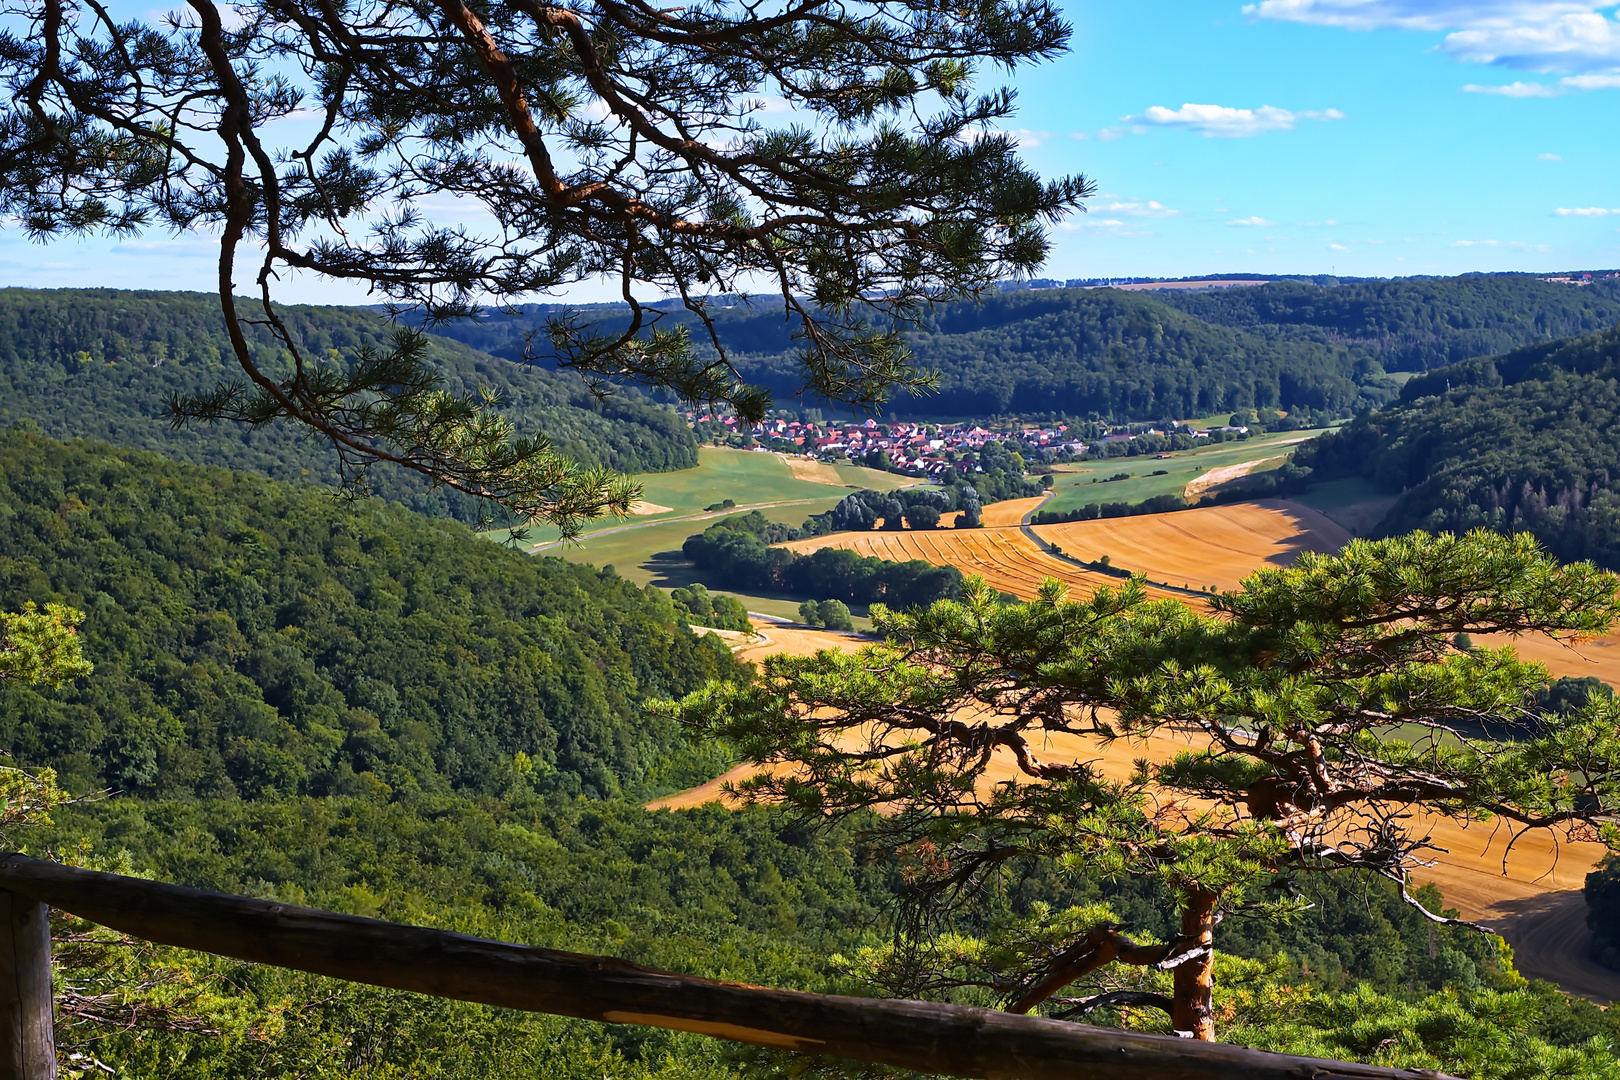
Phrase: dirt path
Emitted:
{"points": [[1200, 484]]}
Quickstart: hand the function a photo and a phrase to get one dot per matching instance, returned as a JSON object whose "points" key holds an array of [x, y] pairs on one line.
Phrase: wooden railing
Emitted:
{"points": [[924, 1036]]}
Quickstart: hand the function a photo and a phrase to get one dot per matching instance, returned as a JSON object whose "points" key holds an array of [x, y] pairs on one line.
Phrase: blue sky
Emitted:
{"points": [[1359, 137], [1384, 138]]}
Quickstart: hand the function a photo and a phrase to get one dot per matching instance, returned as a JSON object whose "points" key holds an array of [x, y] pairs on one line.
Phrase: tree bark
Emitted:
{"points": [[27, 1038], [1192, 1008]]}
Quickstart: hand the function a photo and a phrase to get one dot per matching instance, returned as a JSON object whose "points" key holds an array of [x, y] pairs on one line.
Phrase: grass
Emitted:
{"points": [[1074, 488], [647, 549], [747, 477]]}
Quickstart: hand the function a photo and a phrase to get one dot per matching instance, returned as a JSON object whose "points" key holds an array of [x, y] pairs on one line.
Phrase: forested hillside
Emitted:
{"points": [[1528, 440], [1059, 351], [1412, 324], [101, 363], [1147, 356], [262, 640]]}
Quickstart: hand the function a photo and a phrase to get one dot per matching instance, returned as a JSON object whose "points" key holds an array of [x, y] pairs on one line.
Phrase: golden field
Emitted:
{"points": [[1531, 892]]}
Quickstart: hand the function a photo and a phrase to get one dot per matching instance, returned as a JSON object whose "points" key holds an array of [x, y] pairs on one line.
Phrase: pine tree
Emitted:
{"points": [[1327, 705], [606, 140]]}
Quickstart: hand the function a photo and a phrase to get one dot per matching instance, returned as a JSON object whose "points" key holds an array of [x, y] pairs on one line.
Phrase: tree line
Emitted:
{"points": [[737, 553]]}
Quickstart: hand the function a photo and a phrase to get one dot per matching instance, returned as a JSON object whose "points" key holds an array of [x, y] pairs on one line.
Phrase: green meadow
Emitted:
{"points": [[1089, 481], [646, 549]]}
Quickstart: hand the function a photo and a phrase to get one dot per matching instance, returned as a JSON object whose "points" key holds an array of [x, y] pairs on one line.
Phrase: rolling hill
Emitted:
{"points": [[1148, 355], [1529, 440], [100, 363]]}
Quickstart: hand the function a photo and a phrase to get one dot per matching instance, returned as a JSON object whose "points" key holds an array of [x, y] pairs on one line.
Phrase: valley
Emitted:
{"points": [[366, 706]]}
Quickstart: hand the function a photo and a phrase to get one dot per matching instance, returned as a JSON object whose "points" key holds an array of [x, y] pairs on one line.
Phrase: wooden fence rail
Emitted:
{"points": [[924, 1036]]}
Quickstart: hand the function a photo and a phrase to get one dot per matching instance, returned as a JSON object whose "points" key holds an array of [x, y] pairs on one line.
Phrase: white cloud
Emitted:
{"points": [[1411, 14], [1224, 121], [1148, 209], [1570, 42], [1110, 226], [1338, 247], [1549, 157], [1020, 137], [183, 248], [1255, 222], [1514, 89], [1566, 37], [1568, 84], [1476, 243], [1584, 211], [768, 104], [1027, 139]]}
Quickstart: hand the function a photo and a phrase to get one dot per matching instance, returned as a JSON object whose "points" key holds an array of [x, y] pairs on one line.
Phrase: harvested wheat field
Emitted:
{"points": [[1217, 545], [1006, 558], [1009, 512], [1598, 658]]}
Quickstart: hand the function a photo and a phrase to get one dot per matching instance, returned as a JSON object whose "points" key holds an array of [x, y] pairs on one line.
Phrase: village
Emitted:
{"points": [[936, 449]]}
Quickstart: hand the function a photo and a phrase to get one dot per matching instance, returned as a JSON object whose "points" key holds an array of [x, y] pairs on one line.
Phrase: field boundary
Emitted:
{"points": [[1052, 550]]}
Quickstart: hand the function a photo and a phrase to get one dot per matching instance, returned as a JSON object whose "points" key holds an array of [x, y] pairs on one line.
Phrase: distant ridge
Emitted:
{"points": [[100, 364], [1127, 353]]}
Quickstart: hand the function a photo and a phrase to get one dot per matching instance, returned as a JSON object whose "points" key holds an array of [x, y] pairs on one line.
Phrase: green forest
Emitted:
{"points": [[102, 363], [1529, 440], [358, 708], [1412, 324], [262, 640], [1121, 355]]}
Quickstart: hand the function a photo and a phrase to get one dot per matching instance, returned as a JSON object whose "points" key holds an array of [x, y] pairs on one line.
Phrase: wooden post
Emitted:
{"points": [[27, 1036]]}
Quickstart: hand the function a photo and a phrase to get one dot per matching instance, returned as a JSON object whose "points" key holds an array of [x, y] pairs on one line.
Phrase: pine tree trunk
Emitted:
{"points": [[1193, 1010]]}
